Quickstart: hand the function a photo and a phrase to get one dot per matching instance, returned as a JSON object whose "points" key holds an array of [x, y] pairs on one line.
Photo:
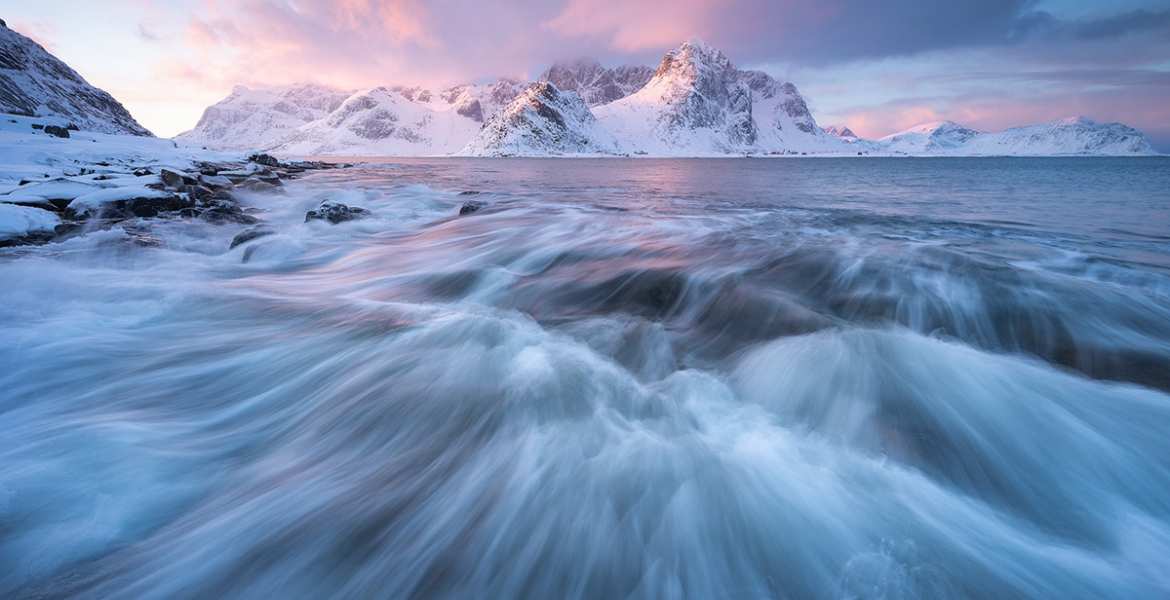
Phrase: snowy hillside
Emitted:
{"points": [[382, 122], [597, 84], [251, 119], [34, 83], [1072, 136], [542, 121]]}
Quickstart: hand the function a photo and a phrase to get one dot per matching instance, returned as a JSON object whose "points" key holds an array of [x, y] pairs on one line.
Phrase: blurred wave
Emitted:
{"points": [[644, 379]]}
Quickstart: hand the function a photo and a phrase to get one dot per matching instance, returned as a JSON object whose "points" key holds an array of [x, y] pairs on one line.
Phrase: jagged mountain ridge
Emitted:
{"points": [[596, 84], [695, 103], [34, 83], [542, 121]]}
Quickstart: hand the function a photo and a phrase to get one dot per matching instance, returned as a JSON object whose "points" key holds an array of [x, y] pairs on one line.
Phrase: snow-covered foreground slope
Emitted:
{"points": [[540, 122], [1072, 136], [34, 83], [250, 119]]}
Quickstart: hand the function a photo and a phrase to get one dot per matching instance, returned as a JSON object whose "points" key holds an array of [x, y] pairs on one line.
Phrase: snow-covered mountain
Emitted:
{"points": [[595, 83], [382, 122], [698, 103], [34, 83], [1075, 135], [841, 132], [252, 119], [542, 121]]}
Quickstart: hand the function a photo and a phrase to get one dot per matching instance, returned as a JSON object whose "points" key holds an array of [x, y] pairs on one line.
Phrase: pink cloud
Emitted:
{"points": [[41, 32]]}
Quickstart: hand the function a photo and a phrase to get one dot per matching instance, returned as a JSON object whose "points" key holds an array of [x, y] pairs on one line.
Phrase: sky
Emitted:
{"points": [[878, 67]]}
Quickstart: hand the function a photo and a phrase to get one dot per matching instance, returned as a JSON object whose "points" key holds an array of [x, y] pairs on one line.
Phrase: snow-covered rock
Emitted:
{"points": [[1072, 136], [542, 121], [34, 83], [17, 222], [252, 119], [595, 83]]}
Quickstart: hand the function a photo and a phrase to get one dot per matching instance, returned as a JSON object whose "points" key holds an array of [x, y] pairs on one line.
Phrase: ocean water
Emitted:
{"points": [[830, 378]]}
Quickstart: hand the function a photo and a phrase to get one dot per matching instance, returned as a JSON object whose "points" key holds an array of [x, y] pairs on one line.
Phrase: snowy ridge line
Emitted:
{"points": [[695, 103]]}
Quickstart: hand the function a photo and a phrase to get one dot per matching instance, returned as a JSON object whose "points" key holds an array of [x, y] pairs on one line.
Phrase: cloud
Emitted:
{"points": [[42, 32]]}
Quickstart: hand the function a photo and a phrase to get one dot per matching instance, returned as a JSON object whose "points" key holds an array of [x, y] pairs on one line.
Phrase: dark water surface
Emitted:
{"points": [[830, 378]]}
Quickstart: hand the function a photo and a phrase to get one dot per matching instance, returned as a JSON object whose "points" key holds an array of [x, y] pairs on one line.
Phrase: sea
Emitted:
{"points": [[783, 378]]}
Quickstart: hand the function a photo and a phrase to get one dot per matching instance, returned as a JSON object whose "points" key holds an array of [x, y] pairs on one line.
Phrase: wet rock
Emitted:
{"points": [[264, 159], [176, 179], [248, 235], [471, 207], [54, 130], [215, 182], [198, 192], [226, 211], [335, 212]]}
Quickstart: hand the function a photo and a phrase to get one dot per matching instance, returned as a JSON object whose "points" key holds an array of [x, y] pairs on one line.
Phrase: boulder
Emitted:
{"points": [[471, 207], [56, 131], [335, 212]]}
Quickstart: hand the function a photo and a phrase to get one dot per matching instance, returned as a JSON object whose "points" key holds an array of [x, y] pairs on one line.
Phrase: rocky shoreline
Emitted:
{"points": [[102, 195]]}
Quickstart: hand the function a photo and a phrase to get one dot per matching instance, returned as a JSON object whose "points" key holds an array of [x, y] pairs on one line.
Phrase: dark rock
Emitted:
{"points": [[215, 182], [226, 211], [37, 126], [246, 236], [190, 213], [176, 179], [469, 193], [198, 192], [264, 159], [34, 238], [471, 207], [72, 127], [335, 212], [142, 172]]}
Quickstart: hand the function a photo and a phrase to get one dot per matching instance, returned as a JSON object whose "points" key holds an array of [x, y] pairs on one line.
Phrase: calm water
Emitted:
{"points": [[828, 378]]}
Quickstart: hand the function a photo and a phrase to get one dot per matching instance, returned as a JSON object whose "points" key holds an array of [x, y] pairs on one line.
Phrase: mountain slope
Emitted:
{"points": [[34, 83], [542, 121], [252, 119]]}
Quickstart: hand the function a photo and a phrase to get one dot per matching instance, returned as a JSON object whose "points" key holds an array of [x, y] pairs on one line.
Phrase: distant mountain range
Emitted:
{"points": [[695, 103], [34, 83]]}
